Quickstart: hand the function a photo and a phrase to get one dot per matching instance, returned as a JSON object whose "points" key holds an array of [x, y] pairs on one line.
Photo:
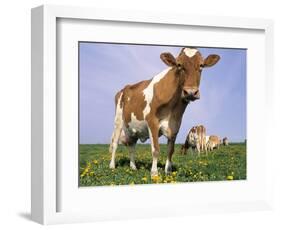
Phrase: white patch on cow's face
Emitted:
{"points": [[138, 128], [190, 52], [148, 91]]}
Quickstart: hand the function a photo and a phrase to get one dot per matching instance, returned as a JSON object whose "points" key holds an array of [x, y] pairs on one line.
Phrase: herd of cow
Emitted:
{"points": [[155, 107], [197, 139]]}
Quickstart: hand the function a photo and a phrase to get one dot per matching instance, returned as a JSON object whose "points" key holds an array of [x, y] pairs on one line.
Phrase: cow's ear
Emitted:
{"points": [[211, 60], [168, 59]]}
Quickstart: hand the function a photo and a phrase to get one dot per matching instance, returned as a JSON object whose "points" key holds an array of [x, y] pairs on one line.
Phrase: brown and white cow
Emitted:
{"points": [[225, 141], [195, 139], [213, 142], [155, 107]]}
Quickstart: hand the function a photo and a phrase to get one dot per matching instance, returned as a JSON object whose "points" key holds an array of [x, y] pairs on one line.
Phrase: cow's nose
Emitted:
{"points": [[191, 93]]}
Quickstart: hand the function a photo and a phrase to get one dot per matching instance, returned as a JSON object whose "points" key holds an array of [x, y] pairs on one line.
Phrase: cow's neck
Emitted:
{"points": [[168, 94], [167, 88]]}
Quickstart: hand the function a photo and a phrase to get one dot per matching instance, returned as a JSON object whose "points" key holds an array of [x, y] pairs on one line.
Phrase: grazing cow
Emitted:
{"points": [[155, 107], [213, 142], [225, 141], [196, 139]]}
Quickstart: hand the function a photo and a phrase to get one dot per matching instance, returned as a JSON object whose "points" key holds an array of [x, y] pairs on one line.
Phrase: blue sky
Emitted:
{"points": [[107, 68]]}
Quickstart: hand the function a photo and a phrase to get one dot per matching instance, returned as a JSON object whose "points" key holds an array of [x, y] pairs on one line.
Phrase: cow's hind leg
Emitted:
{"points": [[198, 148], [113, 146], [204, 149], [132, 152], [118, 125], [171, 148]]}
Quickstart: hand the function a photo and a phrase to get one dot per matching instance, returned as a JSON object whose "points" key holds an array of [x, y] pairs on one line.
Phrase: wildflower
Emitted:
{"points": [[144, 179], [82, 175], [174, 173], [95, 162], [229, 177], [86, 170], [155, 179]]}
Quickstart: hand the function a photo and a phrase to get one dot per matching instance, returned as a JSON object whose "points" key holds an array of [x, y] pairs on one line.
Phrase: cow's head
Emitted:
{"points": [[189, 65], [193, 136]]}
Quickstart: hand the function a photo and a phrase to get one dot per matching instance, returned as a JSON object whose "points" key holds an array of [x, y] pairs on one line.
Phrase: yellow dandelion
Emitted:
{"points": [[229, 177], [144, 179], [155, 179]]}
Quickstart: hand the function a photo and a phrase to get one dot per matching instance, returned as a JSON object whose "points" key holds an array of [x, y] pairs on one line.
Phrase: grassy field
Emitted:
{"points": [[226, 163]]}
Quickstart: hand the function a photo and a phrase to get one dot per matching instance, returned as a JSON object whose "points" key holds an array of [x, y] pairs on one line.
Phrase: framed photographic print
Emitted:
{"points": [[138, 115]]}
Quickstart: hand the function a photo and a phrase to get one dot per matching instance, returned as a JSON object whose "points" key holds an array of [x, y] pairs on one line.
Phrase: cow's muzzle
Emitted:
{"points": [[190, 94]]}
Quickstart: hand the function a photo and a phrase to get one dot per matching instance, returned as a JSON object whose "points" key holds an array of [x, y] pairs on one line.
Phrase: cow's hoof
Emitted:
{"points": [[133, 166], [112, 165]]}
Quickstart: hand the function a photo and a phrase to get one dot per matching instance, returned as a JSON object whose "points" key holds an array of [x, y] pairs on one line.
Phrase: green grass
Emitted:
{"points": [[226, 163]]}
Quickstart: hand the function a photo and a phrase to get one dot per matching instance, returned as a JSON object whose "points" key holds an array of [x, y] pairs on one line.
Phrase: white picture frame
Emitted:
{"points": [[46, 183]]}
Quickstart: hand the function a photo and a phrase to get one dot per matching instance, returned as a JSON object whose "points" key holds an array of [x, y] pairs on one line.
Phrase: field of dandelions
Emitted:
{"points": [[225, 163]]}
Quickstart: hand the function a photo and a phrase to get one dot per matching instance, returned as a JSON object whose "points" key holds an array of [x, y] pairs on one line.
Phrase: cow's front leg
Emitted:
{"points": [[153, 129], [171, 149]]}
